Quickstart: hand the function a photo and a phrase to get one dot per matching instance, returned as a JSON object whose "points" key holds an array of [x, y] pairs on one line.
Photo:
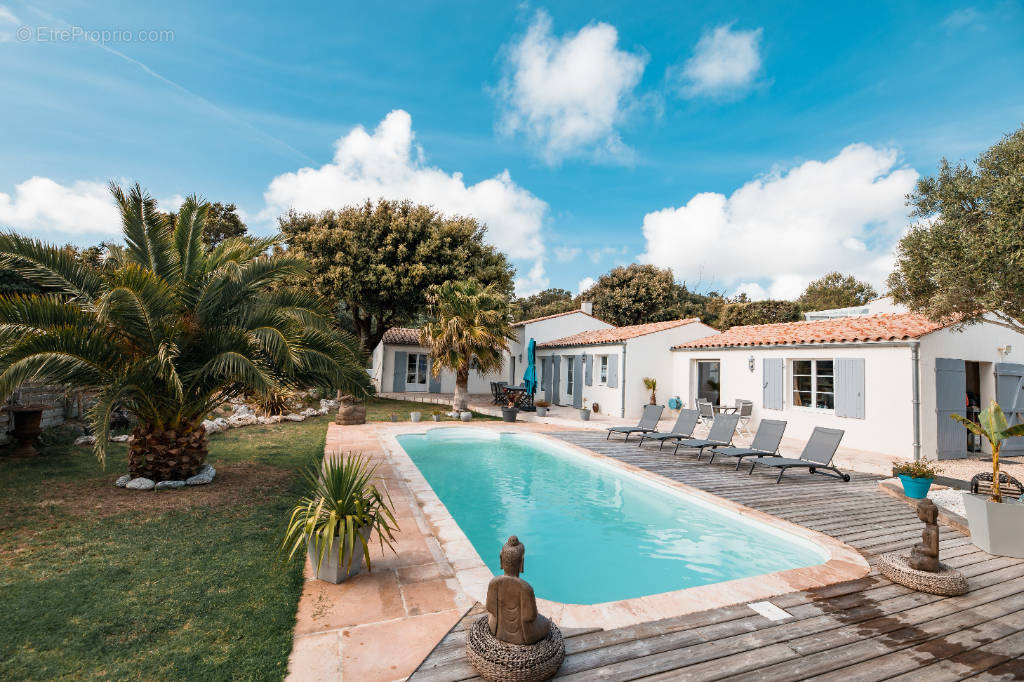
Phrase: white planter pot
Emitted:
{"points": [[585, 415], [996, 528], [466, 416], [542, 411], [331, 570], [415, 416]]}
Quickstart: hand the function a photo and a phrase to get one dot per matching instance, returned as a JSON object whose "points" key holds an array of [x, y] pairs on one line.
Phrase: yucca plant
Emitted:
{"points": [[652, 385], [168, 330], [992, 426], [467, 327], [343, 507]]}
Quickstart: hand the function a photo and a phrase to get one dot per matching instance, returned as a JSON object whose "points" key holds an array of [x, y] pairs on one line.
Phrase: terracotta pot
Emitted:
{"points": [[26, 430]]}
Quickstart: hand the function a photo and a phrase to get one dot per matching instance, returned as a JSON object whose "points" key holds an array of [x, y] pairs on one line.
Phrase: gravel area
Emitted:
{"points": [[965, 469], [950, 499]]}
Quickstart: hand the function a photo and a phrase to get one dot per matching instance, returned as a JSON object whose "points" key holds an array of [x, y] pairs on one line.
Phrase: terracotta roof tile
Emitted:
{"points": [[615, 334], [863, 328], [548, 317], [402, 336]]}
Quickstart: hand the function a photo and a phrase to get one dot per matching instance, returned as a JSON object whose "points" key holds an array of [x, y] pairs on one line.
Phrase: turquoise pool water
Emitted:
{"points": [[592, 533]]}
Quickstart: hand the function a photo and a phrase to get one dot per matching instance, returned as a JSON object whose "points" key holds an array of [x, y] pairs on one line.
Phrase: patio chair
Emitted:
{"points": [[647, 424], [765, 444], [707, 412], [745, 409], [686, 422], [817, 455], [720, 435]]}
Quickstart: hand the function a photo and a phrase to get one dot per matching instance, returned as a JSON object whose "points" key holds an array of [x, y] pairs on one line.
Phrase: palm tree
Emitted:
{"points": [[167, 330], [468, 328]]}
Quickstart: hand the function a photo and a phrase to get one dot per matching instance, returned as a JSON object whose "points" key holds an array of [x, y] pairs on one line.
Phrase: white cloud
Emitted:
{"points": [[585, 284], [7, 21], [961, 18], [386, 164], [47, 210], [598, 255], [753, 290], [724, 63], [567, 94], [780, 231], [564, 254]]}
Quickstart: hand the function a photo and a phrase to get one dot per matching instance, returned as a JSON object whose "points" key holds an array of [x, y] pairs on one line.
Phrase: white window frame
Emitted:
{"points": [[414, 360], [570, 374], [814, 385], [602, 373]]}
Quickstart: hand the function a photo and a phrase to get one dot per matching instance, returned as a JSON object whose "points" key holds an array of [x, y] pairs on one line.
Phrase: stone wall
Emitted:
{"points": [[62, 405]]}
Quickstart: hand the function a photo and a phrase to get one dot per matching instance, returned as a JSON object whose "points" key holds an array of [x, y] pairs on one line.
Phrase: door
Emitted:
{"points": [[950, 399], [708, 377], [416, 372], [1010, 396]]}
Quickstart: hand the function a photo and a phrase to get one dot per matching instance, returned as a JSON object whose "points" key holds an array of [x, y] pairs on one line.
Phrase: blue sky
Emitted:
{"points": [[749, 146]]}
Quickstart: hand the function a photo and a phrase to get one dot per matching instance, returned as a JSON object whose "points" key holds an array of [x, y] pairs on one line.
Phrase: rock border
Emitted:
{"points": [[204, 476]]}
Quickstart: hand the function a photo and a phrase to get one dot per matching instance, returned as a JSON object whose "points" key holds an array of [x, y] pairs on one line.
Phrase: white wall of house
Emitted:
{"points": [[547, 330], [607, 397], [383, 372], [887, 426], [977, 343]]}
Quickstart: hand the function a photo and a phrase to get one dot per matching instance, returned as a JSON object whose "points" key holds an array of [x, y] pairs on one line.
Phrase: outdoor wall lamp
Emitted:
{"points": [[750, 363]]}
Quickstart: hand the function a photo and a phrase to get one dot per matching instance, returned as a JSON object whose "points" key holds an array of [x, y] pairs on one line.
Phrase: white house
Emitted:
{"points": [[399, 363], [606, 367], [889, 380]]}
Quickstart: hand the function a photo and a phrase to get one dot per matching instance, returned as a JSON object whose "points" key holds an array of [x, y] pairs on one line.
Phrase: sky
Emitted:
{"points": [[751, 147]]}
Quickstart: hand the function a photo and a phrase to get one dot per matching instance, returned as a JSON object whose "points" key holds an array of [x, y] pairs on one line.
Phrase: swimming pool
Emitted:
{"points": [[593, 532]]}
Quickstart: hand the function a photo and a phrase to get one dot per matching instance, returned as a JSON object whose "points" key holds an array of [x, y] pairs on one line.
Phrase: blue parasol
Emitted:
{"points": [[530, 375]]}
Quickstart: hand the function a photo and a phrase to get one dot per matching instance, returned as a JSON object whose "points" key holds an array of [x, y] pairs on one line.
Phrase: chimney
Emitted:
{"points": [[587, 307]]}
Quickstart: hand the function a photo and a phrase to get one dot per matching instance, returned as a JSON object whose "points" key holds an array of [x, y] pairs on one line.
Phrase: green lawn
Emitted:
{"points": [[100, 582], [378, 409]]}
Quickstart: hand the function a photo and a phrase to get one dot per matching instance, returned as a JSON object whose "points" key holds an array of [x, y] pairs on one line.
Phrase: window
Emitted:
{"points": [[604, 370], [570, 374], [814, 384], [709, 385], [416, 369]]}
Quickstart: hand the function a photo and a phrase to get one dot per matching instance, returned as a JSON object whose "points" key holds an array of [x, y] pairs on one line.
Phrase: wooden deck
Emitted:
{"points": [[868, 629]]}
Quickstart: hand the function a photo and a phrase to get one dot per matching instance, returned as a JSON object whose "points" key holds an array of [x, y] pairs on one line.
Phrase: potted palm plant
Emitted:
{"points": [[336, 518], [542, 407], [995, 522], [916, 478], [652, 385], [436, 414]]}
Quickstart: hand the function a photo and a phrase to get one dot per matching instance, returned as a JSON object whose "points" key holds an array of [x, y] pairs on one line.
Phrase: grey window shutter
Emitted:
{"points": [[772, 383], [556, 378], [1010, 396], [849, 387], [434, 383], [401, 360], [588, 360], [950, 399], [613, 371], [577, 381]]}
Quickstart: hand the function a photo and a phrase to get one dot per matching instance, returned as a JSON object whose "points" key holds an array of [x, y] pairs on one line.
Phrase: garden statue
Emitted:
{"points": [[511, 606], [351, 411], [925, 555], [513, 641], [922, 570]]}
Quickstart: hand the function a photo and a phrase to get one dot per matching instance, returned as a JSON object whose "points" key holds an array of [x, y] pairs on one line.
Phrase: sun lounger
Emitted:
{"points": [[648, 422], [720, 435], [816, 457], [683, 428], [765, 444]]}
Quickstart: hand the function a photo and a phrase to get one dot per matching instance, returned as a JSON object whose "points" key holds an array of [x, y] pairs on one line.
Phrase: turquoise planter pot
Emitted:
{"points": [[916, 488]]}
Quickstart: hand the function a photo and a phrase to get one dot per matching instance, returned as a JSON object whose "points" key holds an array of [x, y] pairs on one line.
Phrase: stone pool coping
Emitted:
{"points": [[844, 562]]}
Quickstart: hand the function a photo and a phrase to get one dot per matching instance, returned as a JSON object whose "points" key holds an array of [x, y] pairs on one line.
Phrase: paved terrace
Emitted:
{"points": [[868, 629]]}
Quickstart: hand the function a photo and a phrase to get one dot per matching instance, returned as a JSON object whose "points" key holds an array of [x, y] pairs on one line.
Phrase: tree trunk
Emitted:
{"points": [[171, 455], [461, 391]]}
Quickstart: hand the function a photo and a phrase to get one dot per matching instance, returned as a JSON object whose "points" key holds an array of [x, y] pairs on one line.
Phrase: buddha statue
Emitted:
{"points": [[511, 606], [924, 556]]}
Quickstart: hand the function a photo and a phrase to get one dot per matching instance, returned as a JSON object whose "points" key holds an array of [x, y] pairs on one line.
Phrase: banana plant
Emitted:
{"points": [[992, 426]]}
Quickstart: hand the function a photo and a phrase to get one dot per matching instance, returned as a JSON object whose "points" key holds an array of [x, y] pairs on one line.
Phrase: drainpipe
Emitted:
{"points": [[915, 360], [622, 383]]}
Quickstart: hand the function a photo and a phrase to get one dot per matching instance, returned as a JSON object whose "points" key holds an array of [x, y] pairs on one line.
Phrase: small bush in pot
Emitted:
{"points": [[509, 412], [585, 411], [436, 414], [337, 517], [916, 477], [542, 407], [995, 523]]}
